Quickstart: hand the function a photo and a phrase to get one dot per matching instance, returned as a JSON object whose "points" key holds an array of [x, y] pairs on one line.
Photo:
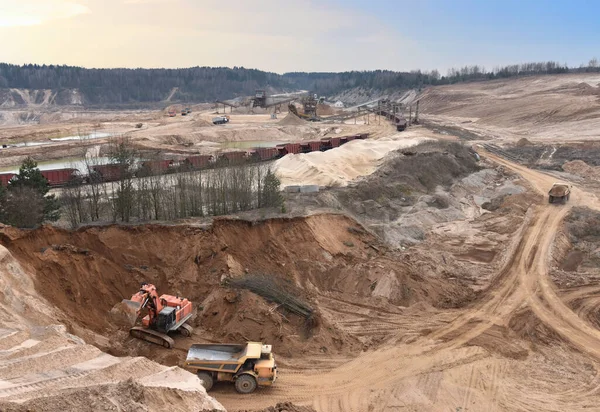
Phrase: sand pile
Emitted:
{"points": [[523, 142], [292, 120], [201, 123], [581, 168], [339, 166]]}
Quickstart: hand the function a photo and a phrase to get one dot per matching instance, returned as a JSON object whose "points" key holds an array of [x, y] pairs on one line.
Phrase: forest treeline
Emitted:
{"points": [[207, 84]]}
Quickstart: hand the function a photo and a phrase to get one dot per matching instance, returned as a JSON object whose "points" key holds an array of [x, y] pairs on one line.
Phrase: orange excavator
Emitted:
{"points": [[165, 314]]}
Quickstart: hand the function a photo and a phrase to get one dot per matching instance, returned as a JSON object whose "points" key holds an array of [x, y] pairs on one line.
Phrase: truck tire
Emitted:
{"points": [[550, 199], [568, 196], [245, 384], [206, 379]]}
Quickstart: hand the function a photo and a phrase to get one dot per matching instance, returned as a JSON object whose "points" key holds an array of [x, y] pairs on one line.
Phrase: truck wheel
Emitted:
{"points": [[550, 199], [568, 196], [206, 379], [245, 384]]}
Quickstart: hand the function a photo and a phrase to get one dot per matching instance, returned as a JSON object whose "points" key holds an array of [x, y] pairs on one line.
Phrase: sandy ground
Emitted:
{"points": [[160, 135], [470, 319], [539, 108], [474, 360]]}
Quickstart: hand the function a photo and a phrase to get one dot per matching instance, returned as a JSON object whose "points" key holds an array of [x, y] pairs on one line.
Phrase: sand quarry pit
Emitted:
{"points": [[409, 347], [460, 291]]}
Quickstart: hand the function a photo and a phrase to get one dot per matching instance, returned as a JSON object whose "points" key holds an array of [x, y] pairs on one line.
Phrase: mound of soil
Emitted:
{"points": [[581, 168], [292, 120], [523, 142]]}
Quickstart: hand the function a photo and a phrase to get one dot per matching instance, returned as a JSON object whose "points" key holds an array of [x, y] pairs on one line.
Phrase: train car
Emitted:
{"points": [[5, 178], [305, 147], [336, 141], [287, 148], [234, 157], [107, 173], [198, 162], [263, 153], [60, 177], [326, 144], [155, 167], [315, 145]]}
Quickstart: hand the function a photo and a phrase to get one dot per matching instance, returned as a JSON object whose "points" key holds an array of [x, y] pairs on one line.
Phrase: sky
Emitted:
{"points": [[287, 35]]}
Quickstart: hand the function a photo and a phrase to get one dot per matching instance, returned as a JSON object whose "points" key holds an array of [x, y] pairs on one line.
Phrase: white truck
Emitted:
{"points": [[220, 120]]}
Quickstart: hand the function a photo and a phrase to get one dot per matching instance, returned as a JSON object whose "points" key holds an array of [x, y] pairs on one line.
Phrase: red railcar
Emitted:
{"points": [[288, 148], [336, 141], [264, 153], [108, 173], [305, 147], [326, 144], [5, 178], [156, 166], [233, 157], [199, 162], [59, 177], [315, 146], [363, 136]]}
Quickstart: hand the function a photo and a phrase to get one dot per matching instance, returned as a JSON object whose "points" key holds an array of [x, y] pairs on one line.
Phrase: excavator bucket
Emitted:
{"points": [[125, 313]]}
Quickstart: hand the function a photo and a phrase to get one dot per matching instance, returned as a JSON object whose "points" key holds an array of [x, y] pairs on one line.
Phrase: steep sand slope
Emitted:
{"points": [[42, 367]]}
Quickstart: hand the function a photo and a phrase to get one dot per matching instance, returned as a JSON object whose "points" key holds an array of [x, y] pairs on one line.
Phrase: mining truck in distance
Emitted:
{"points": [[559, 191]]}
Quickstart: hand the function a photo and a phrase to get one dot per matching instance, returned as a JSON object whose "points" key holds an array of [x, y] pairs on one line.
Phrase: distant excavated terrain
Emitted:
{"points": [[555, 108]]}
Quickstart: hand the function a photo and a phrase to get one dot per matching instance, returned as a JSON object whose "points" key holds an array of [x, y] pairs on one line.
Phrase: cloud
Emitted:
{"points": [[34, 12]]}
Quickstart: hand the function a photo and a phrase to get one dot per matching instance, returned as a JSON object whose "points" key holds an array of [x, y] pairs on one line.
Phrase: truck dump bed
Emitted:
{"points": [[204, 353], [559, 190]]}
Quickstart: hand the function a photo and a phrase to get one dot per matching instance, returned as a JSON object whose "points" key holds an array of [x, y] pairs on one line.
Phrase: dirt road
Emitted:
{"points": [[456, 366]]}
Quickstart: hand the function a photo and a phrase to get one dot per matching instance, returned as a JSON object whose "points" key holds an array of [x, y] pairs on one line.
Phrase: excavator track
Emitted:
{"points": [[153, 336], [186, 330]]}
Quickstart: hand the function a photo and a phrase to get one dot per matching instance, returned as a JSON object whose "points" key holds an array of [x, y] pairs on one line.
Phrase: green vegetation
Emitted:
{"points": [[206, 84], [26, 202]]}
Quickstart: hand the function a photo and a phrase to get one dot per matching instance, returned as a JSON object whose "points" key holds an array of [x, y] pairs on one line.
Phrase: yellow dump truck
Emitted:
{"points": [[246, 366], [559, 191]]}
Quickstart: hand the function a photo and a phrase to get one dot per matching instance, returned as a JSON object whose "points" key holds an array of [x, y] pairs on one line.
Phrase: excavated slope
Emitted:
{"points": [[44, 368]]}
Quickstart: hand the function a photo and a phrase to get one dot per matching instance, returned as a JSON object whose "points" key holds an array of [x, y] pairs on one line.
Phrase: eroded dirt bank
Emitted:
{"points": [[323, 255], [45, 368]]}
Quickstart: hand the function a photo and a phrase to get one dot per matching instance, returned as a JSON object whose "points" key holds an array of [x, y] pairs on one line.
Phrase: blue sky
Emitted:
{"points": [[494, 32], [309, 35]]}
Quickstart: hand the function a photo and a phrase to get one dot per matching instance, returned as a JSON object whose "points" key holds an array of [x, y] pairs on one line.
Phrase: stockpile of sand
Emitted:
{"points": [[341, 165], [581, 168], [292, 120]]}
